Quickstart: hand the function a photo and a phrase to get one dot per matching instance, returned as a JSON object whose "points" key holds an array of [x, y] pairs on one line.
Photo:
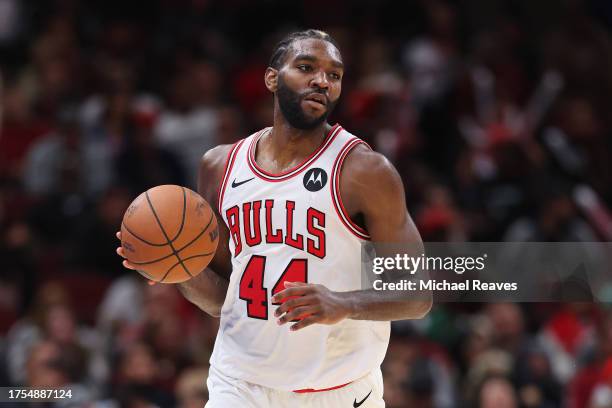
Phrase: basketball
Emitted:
{"points": [[169, 233]]}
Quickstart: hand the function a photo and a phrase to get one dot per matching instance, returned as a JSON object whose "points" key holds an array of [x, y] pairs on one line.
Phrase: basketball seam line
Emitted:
{"points": [[184, 212], [177, 234], [167, 239], [178, 250], [141, 239], [188, 258]]}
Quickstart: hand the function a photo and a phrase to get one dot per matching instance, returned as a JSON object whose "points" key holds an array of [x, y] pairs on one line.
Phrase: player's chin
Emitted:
{"points": [[315, 118]]}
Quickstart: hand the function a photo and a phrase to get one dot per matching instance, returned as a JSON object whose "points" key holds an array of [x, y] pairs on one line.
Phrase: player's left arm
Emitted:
{"points": [[370, 186]]}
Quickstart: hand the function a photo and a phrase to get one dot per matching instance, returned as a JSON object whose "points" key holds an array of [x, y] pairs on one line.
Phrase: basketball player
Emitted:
{"points": [[297, 200]]}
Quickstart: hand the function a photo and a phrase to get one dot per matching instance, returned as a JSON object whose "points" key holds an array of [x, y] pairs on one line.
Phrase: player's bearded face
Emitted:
{"points": [[290, 103]]}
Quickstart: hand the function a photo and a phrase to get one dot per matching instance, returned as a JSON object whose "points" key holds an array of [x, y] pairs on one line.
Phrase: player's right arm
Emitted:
{"points": [[207, 290]]}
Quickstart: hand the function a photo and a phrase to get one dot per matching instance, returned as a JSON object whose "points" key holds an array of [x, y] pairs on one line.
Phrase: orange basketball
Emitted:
{"points": [[169, 233]]}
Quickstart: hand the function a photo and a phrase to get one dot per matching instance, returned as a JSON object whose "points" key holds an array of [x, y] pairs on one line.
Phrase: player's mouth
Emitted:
{"points": [[317, 99]]}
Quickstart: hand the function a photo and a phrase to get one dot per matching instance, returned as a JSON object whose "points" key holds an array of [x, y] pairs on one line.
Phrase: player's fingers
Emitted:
{"points": [[118, 235], [295, 314], [305, 322], [128, 265], [292, 304], [121, 252], [294, 284], [289, 292]]}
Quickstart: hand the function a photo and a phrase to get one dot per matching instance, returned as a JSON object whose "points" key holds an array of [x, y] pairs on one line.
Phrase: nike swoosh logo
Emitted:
{"points": [[358, 404], [234, 184]]}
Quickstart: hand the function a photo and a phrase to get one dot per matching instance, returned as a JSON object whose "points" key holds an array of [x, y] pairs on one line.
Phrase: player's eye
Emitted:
{"points": [[305, 67], [335, 76]]}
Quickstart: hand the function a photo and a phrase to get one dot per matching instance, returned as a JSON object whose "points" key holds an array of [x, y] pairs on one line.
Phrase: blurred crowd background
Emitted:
{"points": [[496, 113]]}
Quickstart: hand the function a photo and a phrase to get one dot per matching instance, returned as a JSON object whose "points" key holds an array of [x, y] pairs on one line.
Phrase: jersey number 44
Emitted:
{"points": [[252, 288]]}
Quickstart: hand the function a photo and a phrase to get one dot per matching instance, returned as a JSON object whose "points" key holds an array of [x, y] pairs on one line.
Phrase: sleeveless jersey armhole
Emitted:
{"points": [[358, 231], [229, 163]]}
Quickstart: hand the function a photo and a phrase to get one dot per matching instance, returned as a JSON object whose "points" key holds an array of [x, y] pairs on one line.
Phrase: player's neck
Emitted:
{"points": [[287, 143]]}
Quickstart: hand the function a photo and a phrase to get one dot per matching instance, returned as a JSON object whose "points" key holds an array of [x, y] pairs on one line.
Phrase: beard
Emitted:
{"points": [[290, 101]]}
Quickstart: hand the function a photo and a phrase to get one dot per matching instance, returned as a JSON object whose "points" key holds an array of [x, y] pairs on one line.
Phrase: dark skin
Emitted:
{"points": [[314, 65]]}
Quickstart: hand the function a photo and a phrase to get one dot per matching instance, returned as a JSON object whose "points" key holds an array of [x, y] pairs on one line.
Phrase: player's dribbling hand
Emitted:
{"points": [[121, 253], [125, 262], [309, 303]]}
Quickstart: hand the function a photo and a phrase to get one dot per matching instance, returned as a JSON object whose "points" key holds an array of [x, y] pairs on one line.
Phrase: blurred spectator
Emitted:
{"points": [[439, 220], [188, 126], [497, 392], [491, 362], [508, 328], [143, 164], [137, 379], [123, 303], [17, 245], [429, 59], [230, 126], [52, 76], [107, 119], [416, 372], [11, 12], [566, 336], [20, 128], [43, 370], [557, 221], [191, 389], [94, 238], [52, 320], [26, 332], [536, 383], [63, 162], [588, 384]]}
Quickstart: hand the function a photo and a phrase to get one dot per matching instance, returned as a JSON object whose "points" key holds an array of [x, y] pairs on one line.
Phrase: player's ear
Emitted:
{"points": [[271, 79]]}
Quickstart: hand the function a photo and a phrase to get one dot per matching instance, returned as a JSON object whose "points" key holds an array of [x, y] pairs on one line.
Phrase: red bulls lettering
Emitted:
{"points": [[275, 237], [284, 232], [233, 221], [317, 249], [298, 241], [254, 238]]}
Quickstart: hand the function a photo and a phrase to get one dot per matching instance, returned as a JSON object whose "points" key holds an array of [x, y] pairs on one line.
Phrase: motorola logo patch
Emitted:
{"points": [[315, 179]]}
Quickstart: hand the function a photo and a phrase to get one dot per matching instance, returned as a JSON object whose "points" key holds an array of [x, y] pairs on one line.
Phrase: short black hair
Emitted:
{"points": [[283, 46]]}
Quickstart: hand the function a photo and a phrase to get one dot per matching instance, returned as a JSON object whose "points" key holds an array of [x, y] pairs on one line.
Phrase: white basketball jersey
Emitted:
{"points": [[291, 227]]}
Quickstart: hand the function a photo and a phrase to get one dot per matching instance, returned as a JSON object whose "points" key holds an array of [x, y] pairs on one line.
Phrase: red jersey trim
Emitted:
{"points": [[335, 190], [229, 164], [307, 390], [264, 175]]}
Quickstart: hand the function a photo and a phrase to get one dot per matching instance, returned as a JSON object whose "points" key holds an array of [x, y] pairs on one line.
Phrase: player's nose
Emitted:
{"points": [[319, 80]]}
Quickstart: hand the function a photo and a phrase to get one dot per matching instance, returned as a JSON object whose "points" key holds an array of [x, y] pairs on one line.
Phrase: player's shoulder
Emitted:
{"points": [[360, 154], [217, 156], [211, 170], [367, 164], [367, 173]]}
